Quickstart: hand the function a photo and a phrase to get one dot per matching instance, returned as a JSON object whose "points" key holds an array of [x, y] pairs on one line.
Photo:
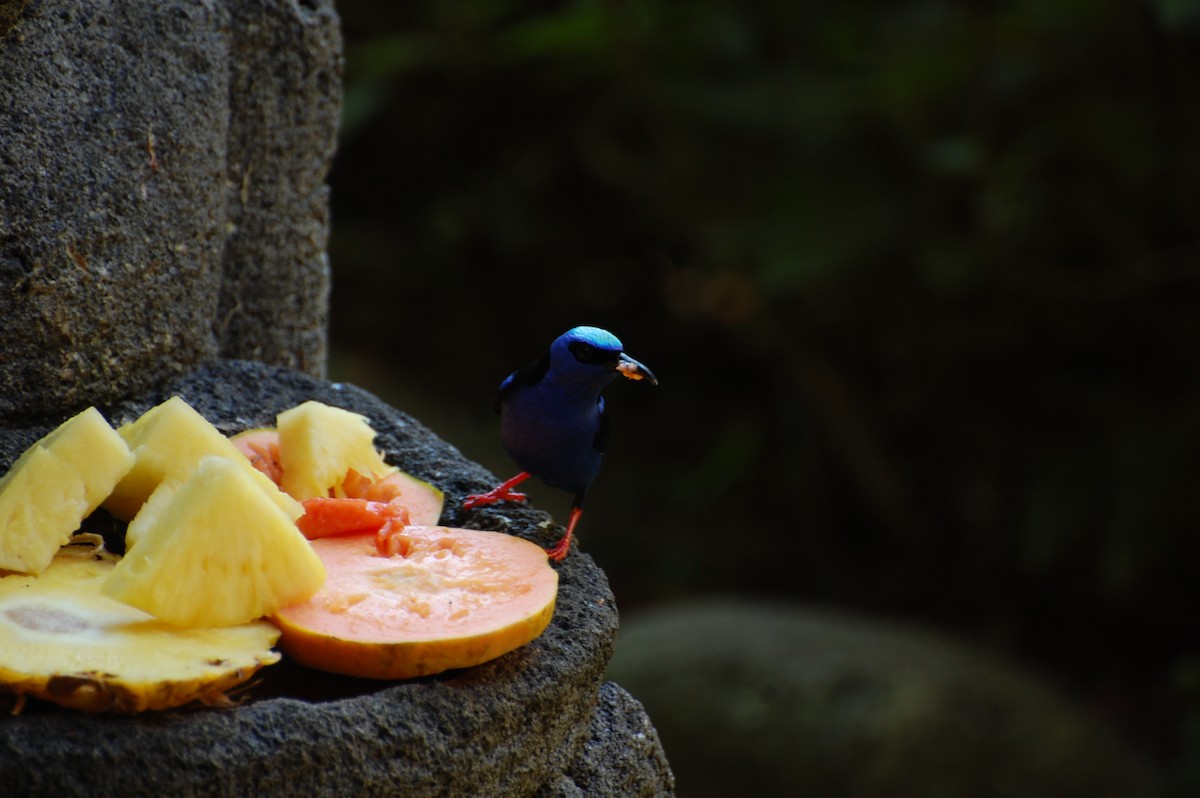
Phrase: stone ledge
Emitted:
{"points": [[536, 721]]}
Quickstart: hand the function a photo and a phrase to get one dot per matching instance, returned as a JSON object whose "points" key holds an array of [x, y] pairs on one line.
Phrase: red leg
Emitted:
{"points": [[500, 493], [559, 550]]}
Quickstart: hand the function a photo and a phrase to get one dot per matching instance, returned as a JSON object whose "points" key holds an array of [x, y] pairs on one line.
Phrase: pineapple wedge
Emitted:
{"points": [[61, 640], [318, 444], [214, 550], [54, 485], [168, 440]]}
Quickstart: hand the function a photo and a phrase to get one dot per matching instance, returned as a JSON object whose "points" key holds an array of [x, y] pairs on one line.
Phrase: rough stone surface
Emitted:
{"points": [[161, 192], [534, 722], [10, 12], [622, 757], [774, 699], [285, 105]]}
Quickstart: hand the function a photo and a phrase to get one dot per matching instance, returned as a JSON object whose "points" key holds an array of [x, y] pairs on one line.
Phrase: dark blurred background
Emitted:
{"points": [[920, 281]]}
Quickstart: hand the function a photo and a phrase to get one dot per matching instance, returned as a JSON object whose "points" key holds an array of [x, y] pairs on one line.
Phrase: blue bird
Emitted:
{"points": [[552, 418]]}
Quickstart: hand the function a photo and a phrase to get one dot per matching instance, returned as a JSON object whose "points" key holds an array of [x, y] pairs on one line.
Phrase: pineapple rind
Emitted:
{"points": [[63, 641], [54, 485], [319, 443], [214, 551], [167, 441]]}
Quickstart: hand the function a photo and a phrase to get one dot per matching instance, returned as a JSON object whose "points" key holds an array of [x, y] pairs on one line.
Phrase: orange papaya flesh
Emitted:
{"points": [[261, 447], [451, 598]]}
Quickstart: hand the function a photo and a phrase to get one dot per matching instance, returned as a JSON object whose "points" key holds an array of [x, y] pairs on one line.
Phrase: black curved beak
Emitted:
{"points": [[631, 369]]}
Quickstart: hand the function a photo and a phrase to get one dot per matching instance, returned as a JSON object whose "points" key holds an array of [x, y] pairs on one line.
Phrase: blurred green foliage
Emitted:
{"points": [[920, 280]]}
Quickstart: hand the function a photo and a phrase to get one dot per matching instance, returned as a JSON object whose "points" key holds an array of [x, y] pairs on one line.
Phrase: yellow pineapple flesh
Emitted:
{"points": [[319, 444], [214, 550], [54, 485], [168, 441], [63, 641]]}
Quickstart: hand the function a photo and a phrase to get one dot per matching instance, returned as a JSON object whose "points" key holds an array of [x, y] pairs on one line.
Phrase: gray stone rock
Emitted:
{"points": [[622, 757], [10, 12], [775, 699], [285, 105], [162, 194], [534, 722]]}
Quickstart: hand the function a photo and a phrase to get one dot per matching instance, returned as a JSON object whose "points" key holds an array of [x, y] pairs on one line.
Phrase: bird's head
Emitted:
{"points": [[589, 354]]}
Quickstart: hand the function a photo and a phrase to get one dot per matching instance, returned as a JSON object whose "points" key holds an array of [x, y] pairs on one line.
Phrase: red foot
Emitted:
{"points": [[558, 551], [500, 493]]}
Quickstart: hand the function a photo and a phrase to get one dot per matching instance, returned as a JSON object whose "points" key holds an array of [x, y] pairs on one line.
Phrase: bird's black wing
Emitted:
{"points": [[529, 375]]}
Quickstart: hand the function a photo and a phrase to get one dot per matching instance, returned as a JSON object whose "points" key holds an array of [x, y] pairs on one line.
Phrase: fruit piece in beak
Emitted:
{"points": [[634, 370]]}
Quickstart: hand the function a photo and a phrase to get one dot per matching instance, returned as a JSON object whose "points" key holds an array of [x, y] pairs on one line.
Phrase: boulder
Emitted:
{"points": [[537, 721], [162, 194], [778, 699]]}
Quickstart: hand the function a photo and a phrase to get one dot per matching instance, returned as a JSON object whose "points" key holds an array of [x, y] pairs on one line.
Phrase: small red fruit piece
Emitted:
{"points": [[325, 517]]}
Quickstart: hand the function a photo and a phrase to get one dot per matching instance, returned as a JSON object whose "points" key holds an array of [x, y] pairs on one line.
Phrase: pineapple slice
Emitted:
{"points": [[423, 501], [61, 640], [214, 550], [168, 441], [319, 444], [54, 485]]}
